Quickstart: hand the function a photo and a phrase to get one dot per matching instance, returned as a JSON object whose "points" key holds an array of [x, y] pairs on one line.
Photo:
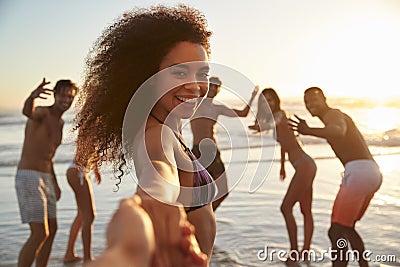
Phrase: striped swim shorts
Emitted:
{"points": [[36, 196]]}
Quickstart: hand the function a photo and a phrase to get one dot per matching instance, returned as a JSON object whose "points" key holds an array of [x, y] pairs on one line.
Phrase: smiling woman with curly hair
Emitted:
{"points": [[139, 45], [128, 53]]}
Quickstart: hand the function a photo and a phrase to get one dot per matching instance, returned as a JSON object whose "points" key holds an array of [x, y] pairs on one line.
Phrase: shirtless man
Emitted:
{"points": [[203, 128], [35, 182], [361, 179]]}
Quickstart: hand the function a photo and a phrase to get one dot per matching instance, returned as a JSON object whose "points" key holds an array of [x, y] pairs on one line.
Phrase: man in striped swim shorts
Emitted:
{"points": [[361, 179], [35, 182]]}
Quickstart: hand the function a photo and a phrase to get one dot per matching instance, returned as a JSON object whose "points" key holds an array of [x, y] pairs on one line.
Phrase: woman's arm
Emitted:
{"points": [[156, 166], [243, 112], [159, 181], [282, 173], [224, 110]]}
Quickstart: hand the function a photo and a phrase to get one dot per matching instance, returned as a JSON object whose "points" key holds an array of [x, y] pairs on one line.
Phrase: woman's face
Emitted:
{"points": [[182, 80], [270, 101]]}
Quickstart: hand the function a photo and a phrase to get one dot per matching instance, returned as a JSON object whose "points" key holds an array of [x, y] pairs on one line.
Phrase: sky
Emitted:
{"points": [[349, 48]]}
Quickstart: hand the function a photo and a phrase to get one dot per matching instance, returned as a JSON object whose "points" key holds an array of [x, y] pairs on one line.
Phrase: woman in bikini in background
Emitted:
{"points": [[300, 188], [79, 180]]}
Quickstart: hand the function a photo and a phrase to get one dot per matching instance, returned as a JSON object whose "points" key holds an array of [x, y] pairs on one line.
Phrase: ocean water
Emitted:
{"points": [[247, 222]]}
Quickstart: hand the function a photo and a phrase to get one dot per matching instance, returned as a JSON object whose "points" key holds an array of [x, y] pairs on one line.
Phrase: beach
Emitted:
{"points": [[247, 223]]}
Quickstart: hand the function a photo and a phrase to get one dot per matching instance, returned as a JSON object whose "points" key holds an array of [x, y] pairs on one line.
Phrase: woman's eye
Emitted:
{"points": [[203, 75], [179, 74]]}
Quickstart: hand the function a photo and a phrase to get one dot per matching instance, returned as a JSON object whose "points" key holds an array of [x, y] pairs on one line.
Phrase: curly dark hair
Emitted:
{"points": [[125, 56]]}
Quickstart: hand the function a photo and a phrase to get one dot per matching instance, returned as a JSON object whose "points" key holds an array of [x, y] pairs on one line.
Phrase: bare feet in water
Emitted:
{"points": [[71, 258]]}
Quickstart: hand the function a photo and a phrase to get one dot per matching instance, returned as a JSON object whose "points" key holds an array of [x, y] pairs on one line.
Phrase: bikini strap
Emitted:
{"points": [[181, 141], [176, 134], [157, 119]]}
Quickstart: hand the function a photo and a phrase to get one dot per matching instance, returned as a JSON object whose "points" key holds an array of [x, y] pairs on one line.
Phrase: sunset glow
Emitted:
{"points": [[348, 48]]}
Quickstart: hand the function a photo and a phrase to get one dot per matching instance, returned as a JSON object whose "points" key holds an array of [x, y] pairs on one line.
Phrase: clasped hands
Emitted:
{"points": [[146, 232]]}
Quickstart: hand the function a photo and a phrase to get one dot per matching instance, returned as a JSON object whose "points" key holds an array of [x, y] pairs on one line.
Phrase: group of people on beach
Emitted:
{"points": [[159, 57]]}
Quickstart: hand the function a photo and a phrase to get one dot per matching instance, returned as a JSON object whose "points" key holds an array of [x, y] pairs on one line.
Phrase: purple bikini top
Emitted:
{"points": [[204, 188]]}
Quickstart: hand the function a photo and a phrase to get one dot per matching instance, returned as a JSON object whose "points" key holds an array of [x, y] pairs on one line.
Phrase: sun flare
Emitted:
{"points": [[379, 119]]}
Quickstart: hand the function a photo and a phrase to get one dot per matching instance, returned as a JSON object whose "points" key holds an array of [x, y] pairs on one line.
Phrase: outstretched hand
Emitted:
{"points": [[299, 126], [176, 244], [40, 91], [130, 237], [255, 90], [146, 232]]}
